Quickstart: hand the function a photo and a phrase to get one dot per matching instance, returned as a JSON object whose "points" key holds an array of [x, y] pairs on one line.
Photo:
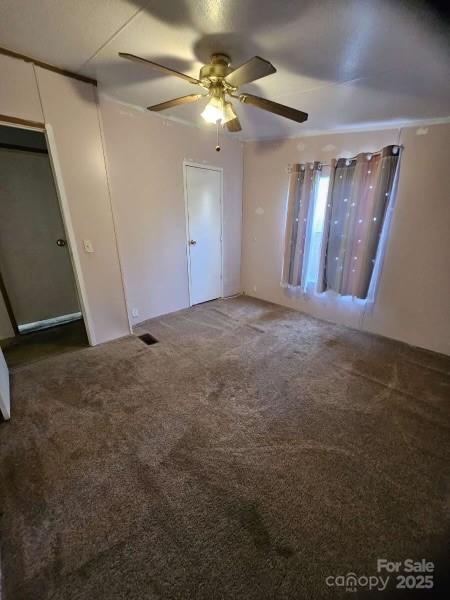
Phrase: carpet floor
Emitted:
{"points": [[250, 454], [31, 347]]}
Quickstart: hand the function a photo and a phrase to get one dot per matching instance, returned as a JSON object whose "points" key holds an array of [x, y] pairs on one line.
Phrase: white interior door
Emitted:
{"points": [[204, 228], [4, 388]]}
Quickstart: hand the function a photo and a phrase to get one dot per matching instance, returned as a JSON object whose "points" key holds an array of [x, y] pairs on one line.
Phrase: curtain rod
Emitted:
{"points": [[377, 152]]}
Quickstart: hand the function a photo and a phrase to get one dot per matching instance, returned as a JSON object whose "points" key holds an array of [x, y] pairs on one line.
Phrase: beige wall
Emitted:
{"points": [[145, 155], [69, 107], [18, 91], [18, 98], [413, 301]]}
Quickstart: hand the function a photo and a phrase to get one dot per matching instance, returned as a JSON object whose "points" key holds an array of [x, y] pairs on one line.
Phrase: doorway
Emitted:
{"points": [[39, 306], [203, 194]]}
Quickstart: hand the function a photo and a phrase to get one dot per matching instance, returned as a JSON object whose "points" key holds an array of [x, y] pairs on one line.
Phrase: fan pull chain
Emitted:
{"points": [[217, 144]]}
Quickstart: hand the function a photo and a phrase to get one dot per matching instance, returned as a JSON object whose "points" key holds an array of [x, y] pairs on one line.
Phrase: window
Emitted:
{"points": [[361, 196], [316, 233], [337, 222]]}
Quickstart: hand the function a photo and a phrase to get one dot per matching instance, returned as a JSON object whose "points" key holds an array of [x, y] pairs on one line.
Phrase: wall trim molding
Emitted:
{"points": [[384, 126], [151, 114], [49, 67], [5, 120]]}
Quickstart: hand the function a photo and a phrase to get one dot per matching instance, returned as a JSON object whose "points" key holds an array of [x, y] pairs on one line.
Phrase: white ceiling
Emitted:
{"points": [[348, 63]]}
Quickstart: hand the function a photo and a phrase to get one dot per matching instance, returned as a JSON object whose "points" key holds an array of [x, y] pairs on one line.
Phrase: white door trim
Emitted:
{"points": [[5, 407], [67, 222], [189, 163], [71, 239]]}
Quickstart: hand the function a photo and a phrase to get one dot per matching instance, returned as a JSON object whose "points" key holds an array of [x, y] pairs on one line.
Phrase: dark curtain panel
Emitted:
{"points": [[358, 197], [303, 182]]}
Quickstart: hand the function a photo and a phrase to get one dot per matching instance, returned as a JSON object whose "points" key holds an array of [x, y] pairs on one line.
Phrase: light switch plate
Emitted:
{"points": [[88, 247]]}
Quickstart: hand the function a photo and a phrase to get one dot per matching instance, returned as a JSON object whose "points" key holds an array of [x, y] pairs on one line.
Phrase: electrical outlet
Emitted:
{"points": [[134, 312]]}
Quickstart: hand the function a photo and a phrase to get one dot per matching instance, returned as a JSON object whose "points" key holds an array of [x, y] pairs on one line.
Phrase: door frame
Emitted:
{"points": [[8, 306], [58, 180], [189, 163], [5, 391]]}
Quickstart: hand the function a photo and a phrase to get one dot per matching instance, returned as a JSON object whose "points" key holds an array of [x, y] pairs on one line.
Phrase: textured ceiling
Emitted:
{"points": [[348, 63]]}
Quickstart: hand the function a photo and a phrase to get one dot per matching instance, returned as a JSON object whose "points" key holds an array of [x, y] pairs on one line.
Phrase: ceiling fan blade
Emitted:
{"points": [[274, 107], [176, 101], [159, 67], [233, 125], [253, 69]]}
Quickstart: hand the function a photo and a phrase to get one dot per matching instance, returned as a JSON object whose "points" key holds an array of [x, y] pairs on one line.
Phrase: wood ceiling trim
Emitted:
{"points": [[19, 121], [47, 66]]}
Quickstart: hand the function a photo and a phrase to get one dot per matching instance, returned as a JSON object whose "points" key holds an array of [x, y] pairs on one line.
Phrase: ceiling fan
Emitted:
{"points": [[221, 80]]}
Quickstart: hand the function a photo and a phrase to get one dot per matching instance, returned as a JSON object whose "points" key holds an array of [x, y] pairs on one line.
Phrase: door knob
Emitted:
{"points": [[61, 242], [192, 242]]}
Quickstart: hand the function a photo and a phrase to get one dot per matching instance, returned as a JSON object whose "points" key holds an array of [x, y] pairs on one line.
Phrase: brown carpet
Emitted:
{"points": [[250, 454], [30, 347]]}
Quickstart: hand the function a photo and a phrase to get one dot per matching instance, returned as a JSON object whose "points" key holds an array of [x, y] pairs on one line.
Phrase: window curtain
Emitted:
{"points": [[303, 183], [358, 198]]}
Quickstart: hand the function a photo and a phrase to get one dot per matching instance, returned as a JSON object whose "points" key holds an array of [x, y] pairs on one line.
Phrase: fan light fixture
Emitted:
{"points": [[221, 81], [213, 111], [218, 109]]}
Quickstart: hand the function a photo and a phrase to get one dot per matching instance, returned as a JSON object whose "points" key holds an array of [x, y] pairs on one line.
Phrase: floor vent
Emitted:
{"points": [[148, 339]]}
